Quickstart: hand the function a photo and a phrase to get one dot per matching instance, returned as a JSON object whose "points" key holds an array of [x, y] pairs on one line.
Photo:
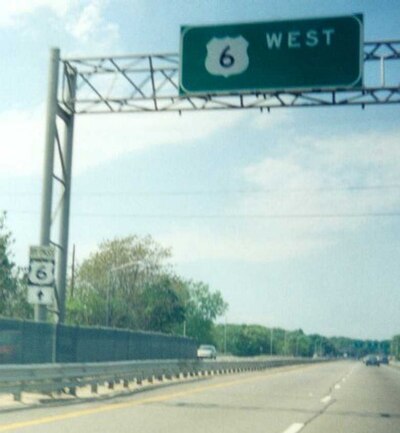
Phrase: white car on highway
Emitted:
{"points": [[207, 351]]}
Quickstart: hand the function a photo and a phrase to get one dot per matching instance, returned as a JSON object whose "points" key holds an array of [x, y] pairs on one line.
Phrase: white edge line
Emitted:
{"points": [[294, 428], [326, 399]]}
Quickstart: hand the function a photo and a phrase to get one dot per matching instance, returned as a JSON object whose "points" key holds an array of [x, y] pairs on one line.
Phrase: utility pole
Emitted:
{"points": [[285, 343], [64, 155], [271, 340], [108, 298], [47, 191], [73, 272], [66, 198], [225, 337]]}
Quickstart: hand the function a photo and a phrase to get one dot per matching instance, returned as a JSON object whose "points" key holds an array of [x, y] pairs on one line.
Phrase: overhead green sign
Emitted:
{"points": [[302, 54]]}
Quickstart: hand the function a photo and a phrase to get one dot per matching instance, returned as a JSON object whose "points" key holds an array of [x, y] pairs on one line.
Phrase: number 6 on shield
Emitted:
{"points": [[41, 273]]}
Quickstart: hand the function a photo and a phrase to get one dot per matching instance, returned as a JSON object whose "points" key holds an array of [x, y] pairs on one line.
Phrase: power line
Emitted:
{"points": [[242, 216], [227, 216], [211, 192]]}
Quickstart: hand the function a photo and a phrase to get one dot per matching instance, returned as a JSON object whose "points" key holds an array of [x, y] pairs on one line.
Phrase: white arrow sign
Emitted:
{"points": [[40, 295]]}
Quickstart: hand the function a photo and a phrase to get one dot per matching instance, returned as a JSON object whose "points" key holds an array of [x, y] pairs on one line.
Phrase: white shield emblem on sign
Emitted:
{"points": [[41, 273], [227, 56]]}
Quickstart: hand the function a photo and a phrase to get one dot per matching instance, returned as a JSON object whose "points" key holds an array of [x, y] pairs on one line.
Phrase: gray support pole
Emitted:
{"points": [[73, 271], [47, 193], [65, 204], [225, 337], [271, 341]]}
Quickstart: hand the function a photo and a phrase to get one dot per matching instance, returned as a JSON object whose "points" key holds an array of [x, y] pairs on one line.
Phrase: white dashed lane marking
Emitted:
{"points": [[326, 399], [294, 428]]}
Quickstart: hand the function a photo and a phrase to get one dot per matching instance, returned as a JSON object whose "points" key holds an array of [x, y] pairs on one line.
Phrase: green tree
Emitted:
{"points": [[109, 284], [162, 309], [202, 309], [299, 344], [395, 346], [252, 340], [127, 283], [13, 289]]}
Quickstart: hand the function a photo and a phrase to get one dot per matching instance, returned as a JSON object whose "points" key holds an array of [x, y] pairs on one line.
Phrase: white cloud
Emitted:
{"points": [[313, 178], [12, 11], [84, 20], [89, 26], [87, 21], [22, 142], [315, 175], [249, 244], [102, 138]]}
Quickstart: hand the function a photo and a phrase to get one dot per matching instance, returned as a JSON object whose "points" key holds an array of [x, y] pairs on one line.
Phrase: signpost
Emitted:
{"points": [[41, 275], [270, 56]]}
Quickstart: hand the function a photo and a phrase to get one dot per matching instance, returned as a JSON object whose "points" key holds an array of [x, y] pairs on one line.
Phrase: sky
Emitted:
{"points": [[283, 212]]}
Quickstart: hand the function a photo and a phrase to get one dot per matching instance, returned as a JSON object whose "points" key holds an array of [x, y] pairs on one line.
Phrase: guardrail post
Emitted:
{"points": [[17, 395]]}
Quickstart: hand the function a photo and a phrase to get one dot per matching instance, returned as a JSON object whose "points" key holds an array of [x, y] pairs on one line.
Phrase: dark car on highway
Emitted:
{"points": [[372, 360]]}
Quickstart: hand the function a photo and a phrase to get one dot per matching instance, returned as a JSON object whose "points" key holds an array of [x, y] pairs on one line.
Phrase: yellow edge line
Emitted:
{"points": [[155, 399]]}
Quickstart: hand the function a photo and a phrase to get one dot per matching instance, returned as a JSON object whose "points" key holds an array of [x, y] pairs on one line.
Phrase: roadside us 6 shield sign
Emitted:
{"points": [[41, 275]]}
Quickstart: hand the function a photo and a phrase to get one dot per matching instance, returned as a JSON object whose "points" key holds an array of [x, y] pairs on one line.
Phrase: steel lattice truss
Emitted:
{"points": [[143, 83]]}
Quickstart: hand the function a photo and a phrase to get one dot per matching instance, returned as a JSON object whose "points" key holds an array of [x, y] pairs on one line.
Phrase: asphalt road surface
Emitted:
{"points": [[335, 397]]}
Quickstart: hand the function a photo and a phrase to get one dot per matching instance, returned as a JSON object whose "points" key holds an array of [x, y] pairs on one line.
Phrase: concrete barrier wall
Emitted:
{"points": [[27, 342]]}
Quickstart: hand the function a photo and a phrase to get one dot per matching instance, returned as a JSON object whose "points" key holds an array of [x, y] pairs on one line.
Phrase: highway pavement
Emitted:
{"points": [[333, 397]]}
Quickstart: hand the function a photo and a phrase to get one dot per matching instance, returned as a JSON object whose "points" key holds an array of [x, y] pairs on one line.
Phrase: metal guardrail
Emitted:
{"points": [[53, 378]]}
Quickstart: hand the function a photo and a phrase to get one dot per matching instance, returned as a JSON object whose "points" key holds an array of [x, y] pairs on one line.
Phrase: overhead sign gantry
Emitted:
{"points": [[321, 71]]}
